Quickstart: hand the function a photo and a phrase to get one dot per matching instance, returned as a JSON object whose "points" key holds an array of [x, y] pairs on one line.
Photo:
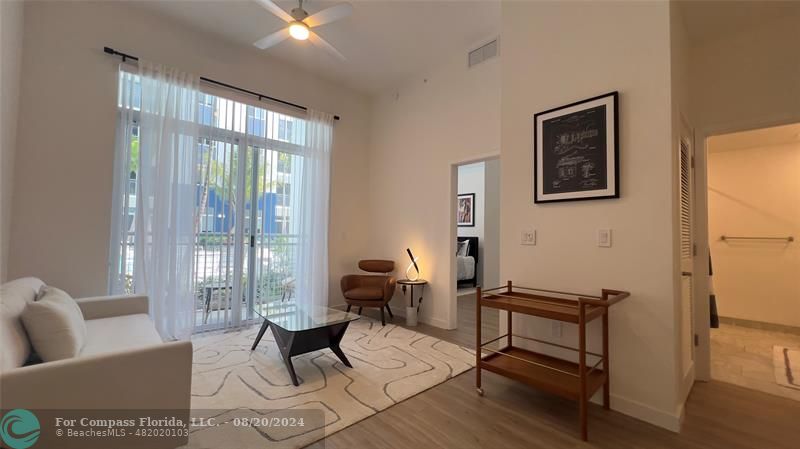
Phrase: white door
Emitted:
{"points": [[687, 249]]}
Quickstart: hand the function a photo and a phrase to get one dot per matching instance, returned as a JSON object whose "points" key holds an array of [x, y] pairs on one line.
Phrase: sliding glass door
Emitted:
{"points": [[218, 268], [249, 163], [246, 243]]}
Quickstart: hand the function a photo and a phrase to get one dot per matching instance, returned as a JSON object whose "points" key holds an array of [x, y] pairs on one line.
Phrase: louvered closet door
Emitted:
{"points": [[687, 248]]}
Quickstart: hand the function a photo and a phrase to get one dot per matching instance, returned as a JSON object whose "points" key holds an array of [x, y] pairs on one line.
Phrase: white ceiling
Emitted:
{"points": [[385, 42], [758, 138], [711, 19]]}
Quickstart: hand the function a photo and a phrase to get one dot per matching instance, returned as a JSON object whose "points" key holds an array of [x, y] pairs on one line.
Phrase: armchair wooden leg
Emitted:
{"points": [[391, 315], [348, 307], [383, 318]]}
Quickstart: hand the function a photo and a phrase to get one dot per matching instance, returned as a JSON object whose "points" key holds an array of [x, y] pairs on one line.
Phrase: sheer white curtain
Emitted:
{"points": [[313, 198], [120, 250], [165, 193]]}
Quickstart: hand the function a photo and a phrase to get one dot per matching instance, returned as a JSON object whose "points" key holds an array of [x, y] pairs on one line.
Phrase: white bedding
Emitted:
{"points": [[465, 267]]}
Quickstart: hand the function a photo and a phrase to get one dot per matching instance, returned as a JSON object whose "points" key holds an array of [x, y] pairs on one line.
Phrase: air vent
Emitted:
{"points": [[483, 53]]}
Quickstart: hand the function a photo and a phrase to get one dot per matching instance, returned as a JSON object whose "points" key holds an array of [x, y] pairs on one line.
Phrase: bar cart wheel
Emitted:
{"points": [[480, 391]]}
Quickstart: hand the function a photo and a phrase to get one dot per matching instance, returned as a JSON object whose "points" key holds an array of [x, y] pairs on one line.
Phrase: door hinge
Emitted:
{"points": [[696, 340], [694, 249], [252, 241], [692, 161]]}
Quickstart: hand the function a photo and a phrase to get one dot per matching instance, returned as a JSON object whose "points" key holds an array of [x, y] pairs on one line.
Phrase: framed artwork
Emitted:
{"points": [[465, 213], [576, 151]]}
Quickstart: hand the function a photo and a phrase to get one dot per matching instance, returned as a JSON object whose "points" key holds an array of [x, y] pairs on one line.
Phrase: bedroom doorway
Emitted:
{"points": [[476, 258]]}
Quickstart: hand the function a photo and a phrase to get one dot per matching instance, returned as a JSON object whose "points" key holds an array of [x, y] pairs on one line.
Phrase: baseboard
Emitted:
{"points": [[760, 325], [688, 383], [435, 322], [400, 314], [643, 412]]}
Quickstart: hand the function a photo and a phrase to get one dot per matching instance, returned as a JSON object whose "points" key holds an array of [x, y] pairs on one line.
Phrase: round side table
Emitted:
{"points": [[411, 310]]}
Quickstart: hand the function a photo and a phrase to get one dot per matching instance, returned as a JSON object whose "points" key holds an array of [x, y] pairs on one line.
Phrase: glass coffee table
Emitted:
{"points": [[300, 329]]}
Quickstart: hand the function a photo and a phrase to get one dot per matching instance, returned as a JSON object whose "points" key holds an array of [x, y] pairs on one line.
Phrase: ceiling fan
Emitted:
{"points": [[300, 24]]}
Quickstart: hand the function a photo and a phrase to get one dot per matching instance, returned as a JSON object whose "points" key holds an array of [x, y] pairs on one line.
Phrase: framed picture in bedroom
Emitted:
{"points": [[576, 151], [465, 212]]}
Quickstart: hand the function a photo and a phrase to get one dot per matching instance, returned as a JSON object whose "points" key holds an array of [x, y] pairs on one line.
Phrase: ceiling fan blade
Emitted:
{"points": [[329, 15], [272, 39], [322, 43], [275, 9]]}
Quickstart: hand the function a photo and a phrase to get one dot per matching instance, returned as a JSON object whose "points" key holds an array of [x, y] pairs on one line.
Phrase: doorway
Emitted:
{"points": [[476, 259], [753, 191]]}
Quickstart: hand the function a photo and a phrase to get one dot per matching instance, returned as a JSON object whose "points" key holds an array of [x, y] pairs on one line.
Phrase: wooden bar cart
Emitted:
{"points": [[577, 381]]}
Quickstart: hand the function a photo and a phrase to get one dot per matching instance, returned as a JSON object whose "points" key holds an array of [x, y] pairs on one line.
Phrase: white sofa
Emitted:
{"points": [[124, 364]]}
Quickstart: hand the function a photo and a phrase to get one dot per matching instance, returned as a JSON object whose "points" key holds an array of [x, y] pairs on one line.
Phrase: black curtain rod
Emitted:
{"points": [[260, 97]]}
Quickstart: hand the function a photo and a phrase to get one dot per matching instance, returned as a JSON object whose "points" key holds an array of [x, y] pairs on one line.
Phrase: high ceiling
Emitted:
{"points": [[385, 42]]}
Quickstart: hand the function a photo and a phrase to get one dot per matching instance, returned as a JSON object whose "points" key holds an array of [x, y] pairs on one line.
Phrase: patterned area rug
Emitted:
{"points": [[243, 390], [787, 366]]}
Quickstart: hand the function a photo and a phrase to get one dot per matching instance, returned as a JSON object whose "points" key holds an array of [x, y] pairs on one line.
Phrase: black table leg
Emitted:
{"points": [[263, 329], [337, 333], [338, 351], [285, 341]]}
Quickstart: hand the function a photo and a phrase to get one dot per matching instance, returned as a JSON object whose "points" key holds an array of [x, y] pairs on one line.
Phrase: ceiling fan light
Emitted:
{"points": [[298, 30]]}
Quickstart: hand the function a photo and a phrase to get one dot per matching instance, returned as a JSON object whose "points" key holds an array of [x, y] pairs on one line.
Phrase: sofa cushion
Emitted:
{"points": [[55, 325], [14, 296], [364, 293], [119, 333]]}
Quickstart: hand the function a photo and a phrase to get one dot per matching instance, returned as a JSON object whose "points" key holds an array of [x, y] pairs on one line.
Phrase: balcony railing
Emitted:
{"points": [[273, 273]]}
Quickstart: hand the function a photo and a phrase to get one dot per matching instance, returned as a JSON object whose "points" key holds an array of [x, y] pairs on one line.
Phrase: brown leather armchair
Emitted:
{"points": [[370, 290]]}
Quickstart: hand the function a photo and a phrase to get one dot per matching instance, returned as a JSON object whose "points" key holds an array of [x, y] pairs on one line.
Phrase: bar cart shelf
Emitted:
{"points": [[577, 381]]}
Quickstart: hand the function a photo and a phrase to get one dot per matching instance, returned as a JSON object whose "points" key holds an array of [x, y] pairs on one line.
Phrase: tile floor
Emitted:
{"points": [[743, 356]]}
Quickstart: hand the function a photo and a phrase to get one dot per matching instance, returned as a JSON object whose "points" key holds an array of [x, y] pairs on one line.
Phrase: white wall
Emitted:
{"points": [[755, 192], [491, 224], [61, 220], [472, 179], [446, 116], [11, 30], [742, 81], [747, 76], [554, 54]]}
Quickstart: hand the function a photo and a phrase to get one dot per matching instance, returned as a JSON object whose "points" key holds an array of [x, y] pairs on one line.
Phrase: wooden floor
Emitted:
{"points": [[512, 415]]}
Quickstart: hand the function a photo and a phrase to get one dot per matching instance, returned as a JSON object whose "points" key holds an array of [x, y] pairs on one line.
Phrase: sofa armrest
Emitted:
{"points": [[157, 377], [108, 306]]}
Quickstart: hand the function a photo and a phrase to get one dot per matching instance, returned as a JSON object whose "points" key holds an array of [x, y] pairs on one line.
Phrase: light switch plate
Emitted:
{"points": [[529, 237], [604, 238]]}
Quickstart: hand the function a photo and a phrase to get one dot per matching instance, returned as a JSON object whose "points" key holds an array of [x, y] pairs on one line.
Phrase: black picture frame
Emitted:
{"points": [[576, 151], [469, 199]]}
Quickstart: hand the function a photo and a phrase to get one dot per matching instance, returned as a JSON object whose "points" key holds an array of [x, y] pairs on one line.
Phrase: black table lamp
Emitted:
{"points": [[412, 276]]}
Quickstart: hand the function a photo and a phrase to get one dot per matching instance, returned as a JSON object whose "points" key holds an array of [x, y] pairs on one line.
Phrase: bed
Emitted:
{"points": [[467, 263]]}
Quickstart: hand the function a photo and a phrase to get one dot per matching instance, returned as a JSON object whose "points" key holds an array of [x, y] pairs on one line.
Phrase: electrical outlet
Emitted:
{"points": [[529, 237], [604, 238], [558, 329]]}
